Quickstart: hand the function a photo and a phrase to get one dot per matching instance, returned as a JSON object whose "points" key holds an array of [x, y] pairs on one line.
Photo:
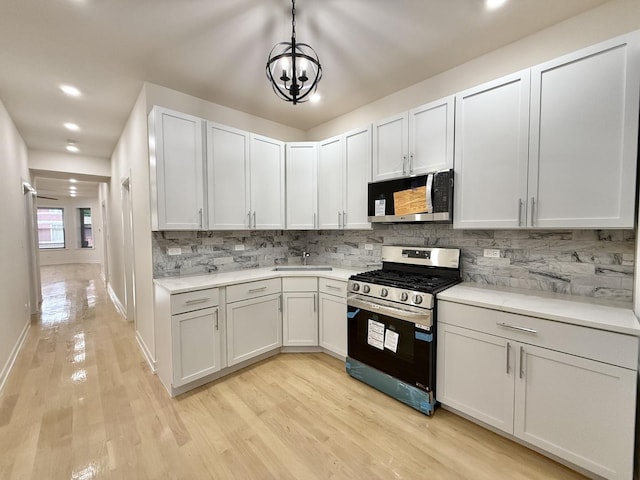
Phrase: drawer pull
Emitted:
{"points": [[197, 300], [256, 290], [333, 287], [516, 327]]}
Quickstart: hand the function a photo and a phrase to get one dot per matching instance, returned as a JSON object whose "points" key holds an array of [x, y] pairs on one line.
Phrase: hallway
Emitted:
{"points": [[82, 403]]}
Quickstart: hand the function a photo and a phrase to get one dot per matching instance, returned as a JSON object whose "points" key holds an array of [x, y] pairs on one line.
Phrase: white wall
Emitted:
{"points": [[65, 163], [72, 253], [611, 19], [14, 280]]}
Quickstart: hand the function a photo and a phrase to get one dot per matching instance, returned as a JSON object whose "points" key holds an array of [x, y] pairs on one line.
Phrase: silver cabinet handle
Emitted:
{"points": [[516, 327], [533, 209], [196, 300], [519, 212], [256, 290], [200, 213], [404, 165], [280, 303], [344, 219], [315, 300], [333, 287], [508, 348], [216, 319], [521, 361], [411, 164], [339, 220], [249, 218], [255, 225]]}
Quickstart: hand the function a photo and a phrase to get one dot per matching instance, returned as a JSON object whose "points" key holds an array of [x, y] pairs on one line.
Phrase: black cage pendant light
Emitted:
{"points": [[293, 68]]}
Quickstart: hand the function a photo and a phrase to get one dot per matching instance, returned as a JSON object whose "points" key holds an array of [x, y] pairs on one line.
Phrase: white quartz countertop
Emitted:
{"points": [[585, 312], [199, 282]]}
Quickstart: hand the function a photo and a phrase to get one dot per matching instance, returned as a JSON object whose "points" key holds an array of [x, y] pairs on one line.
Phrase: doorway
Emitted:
{"points": [[30, 225], [127, 240]]}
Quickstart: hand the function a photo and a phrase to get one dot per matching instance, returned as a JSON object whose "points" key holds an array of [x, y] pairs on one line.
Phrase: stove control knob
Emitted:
{"points": [[417, 299], [404, 296], [366, 289], [355, 287], [384, 292]]}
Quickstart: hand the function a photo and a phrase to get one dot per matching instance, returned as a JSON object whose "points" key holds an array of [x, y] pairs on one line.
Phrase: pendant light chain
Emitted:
{"points": [[293, 18]]}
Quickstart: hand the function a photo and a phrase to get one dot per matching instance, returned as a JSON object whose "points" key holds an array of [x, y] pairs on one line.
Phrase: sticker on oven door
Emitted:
{"points": [[375, 334], [391, 340], [380, 207], [423, 327]]}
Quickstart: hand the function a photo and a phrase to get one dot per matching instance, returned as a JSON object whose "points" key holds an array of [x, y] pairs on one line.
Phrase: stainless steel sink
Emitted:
{"points": [[302, 268]]}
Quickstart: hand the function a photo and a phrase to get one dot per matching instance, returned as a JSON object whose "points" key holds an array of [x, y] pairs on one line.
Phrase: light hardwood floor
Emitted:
{"points": [[81, 403]]}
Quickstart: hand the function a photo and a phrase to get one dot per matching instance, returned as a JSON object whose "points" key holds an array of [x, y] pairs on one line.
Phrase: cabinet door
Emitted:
{"points": [[390, 145], [253, 327], [228, 175], [431, 137], [302, 190], [579, 409], [300, 319], [195, 343], [267, 183], [333, 324], [475, 374], [331, 176], [491, 154], [357, 155], [177, 170], [584, 137]]}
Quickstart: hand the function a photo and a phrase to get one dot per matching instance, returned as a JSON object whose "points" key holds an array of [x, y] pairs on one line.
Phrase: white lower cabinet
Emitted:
{"points": [[300, 312], [254, 325], [333, 316], [578, 409]]}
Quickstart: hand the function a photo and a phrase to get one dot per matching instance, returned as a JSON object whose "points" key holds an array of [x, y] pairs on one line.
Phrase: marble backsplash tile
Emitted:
{"points": [[593, 263]]}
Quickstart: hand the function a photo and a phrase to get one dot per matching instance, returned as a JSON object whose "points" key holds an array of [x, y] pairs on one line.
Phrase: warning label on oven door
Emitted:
{"points": [[375, 334]]}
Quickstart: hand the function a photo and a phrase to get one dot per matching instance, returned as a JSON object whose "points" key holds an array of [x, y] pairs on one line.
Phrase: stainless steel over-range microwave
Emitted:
{"points": [[422, 198]]}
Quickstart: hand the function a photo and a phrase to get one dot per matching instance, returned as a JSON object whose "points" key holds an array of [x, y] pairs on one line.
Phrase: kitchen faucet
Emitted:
{"points": [[305, 255]]}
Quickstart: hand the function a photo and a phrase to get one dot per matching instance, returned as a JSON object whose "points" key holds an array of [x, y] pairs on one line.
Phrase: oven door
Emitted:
{"points": [[392, 339]]}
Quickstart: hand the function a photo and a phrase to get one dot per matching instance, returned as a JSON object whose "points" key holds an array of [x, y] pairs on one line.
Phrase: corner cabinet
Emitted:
{"points": [[188, 336], [176, 159], [344, 171], [414, 142], [300, 311], [560, 140], [302, 184], [566, 389]]}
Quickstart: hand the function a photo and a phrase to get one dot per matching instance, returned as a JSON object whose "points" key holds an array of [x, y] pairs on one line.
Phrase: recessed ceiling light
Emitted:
{"points": [[493, 4], [72, 195], [72, 147], [315, 98], [73, 180], [71, 126], [73, 188], [70, 90]]}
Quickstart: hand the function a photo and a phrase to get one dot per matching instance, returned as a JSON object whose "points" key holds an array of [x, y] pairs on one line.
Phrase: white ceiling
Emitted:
{"points": [[217, 50], [51, 190]]}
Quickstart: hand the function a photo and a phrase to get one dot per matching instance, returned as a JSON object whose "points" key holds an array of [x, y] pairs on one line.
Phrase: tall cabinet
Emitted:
{"points": [[176, 143], [560, 140]]}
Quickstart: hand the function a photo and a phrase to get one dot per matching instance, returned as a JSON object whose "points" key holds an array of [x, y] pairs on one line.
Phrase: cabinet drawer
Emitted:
{"points": [[610, 347], [244, 291], [300, 284], [333, 287], [196, 300]]}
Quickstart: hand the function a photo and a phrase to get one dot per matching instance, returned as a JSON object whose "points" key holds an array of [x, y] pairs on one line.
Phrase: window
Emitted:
{"points": [[51, 227], [86, 230]]}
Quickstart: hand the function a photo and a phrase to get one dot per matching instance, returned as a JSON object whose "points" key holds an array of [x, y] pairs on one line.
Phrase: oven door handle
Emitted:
{"points": [[423, 318]]}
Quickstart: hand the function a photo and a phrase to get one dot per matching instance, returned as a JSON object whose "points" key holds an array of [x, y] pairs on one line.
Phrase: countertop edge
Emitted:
{"points": [[622, 319]]}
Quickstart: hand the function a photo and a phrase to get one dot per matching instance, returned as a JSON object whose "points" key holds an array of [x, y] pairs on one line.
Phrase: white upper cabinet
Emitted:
{"points": [[228, 177], [414, 142], [491, 153], [584, 137], [177, 170], [344, 170], [267, 183], [554, 146], [301, 199]]}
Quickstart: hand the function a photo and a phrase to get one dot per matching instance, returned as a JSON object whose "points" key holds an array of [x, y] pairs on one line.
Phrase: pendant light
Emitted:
{"points": [[293, 68]]}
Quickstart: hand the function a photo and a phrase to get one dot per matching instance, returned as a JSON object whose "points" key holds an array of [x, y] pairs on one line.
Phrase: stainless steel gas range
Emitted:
{"points": [[391, 317]]}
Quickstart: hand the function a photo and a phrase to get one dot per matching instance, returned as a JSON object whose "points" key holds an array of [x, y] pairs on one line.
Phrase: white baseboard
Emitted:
{"points": [[4, 374], [145, 351], [116, 302]]}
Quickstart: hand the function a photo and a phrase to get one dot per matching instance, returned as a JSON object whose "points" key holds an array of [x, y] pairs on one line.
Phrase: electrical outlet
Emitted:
{"points": [[368, 246], [492, 252], [239, 247], [174, 251]]}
